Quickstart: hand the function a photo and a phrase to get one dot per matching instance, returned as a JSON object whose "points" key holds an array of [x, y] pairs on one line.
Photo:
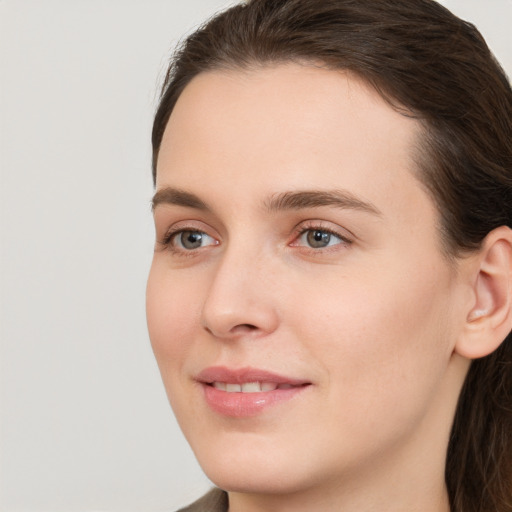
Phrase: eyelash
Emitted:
{"points": [[174, 233], [298, 233], [319, 226]]}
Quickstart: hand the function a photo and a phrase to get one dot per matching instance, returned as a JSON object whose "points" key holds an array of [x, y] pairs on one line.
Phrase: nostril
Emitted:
{"points": [[244, 328], [236, 330]]}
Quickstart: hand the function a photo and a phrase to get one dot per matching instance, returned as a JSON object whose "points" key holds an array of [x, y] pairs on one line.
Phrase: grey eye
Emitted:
{"points": [[190, 240], [317, 238]]}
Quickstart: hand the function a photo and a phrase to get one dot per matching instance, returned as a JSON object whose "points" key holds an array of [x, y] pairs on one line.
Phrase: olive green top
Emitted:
{"points": [[214, 501]]}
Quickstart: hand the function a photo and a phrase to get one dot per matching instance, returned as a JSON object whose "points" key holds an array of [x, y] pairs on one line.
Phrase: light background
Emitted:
{"points": [[85, 424]]}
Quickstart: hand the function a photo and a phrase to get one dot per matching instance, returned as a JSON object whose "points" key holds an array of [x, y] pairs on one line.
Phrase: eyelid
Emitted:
{"points": [[346, 237], [176, 240], [182, 226]]}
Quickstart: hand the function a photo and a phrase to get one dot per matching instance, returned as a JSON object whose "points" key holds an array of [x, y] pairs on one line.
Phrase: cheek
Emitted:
{"points": [[383, 343], [173, 318], [172, 314]]}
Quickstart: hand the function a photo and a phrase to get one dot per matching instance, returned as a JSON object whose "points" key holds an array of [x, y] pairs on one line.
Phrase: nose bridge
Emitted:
{"points": [[240, 298]]}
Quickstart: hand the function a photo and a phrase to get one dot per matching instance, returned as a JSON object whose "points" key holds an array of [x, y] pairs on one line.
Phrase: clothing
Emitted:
{"points": [[214, 501]]}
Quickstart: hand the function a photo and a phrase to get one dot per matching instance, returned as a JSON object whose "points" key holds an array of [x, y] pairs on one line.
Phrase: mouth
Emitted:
{"points": [[247, 392], [249, 387]]}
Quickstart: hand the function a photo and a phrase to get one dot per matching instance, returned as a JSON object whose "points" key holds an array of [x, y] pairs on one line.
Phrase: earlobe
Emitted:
{"points": [[489, 320]]}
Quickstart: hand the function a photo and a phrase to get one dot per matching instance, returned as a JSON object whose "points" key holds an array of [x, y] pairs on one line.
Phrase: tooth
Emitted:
{"points": [[268, 386], [220, 385], [251, 387], [233, 388]]}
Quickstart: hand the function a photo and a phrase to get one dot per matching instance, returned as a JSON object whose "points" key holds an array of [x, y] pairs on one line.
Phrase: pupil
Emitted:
{"points": [[191, 239], [318, 238]]}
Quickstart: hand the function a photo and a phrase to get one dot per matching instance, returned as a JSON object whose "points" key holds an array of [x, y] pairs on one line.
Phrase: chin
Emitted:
{"points": [[256, 467], [253, 480]]}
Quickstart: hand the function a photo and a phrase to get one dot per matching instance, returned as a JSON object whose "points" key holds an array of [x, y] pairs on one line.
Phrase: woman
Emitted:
{"points": [[330, 297]]}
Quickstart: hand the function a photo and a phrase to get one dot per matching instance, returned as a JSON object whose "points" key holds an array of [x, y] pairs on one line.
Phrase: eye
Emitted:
{"points": [[189, 240], [319, 238]]}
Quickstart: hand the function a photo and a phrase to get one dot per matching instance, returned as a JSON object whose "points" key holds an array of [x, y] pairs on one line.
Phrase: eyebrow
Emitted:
{"points": [[317, 198], [294, 200], [178, 197]]}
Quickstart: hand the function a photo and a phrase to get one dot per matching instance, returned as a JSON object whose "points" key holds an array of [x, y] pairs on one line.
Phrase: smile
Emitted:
{"points": [[250, 387], [246, 392]]}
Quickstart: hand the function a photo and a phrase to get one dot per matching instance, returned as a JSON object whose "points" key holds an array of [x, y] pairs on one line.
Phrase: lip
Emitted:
{"points": [[239, 405]]}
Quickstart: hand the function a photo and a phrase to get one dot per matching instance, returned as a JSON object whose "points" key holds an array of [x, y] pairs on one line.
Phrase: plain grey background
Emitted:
{"points": [[85, 424]]}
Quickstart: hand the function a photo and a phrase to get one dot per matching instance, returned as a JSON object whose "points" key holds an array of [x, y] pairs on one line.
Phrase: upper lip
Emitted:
{"points": [[243, 375]]}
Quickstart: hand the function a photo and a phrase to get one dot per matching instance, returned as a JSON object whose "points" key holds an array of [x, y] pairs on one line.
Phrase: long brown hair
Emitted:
{"points": [[431, 65]]}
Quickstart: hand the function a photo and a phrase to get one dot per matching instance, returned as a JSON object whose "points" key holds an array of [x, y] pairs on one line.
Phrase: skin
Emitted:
{"points": [[371, 321]]}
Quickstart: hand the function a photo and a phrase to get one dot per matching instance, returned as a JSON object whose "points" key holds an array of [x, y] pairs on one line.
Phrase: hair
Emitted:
{"points": [[437, 68]]}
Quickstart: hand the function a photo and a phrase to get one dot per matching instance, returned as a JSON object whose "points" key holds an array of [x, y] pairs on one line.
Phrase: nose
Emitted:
{"points": [[241, 300]]}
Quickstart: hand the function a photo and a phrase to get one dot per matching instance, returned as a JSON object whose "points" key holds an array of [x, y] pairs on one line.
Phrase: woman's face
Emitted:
{"points": [[300, 308]]}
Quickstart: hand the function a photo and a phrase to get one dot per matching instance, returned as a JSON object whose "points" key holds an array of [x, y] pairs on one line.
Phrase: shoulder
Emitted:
{"points": [[214, 501]]}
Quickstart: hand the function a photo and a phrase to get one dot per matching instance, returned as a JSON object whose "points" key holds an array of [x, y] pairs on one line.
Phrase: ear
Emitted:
{"points": [[489, 319]]}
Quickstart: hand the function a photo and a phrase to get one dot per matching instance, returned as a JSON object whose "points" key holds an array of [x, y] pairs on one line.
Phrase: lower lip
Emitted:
{"points": [[240, 405]]}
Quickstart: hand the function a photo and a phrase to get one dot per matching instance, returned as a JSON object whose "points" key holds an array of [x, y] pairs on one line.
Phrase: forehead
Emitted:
{"points": [[285, 127]]}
